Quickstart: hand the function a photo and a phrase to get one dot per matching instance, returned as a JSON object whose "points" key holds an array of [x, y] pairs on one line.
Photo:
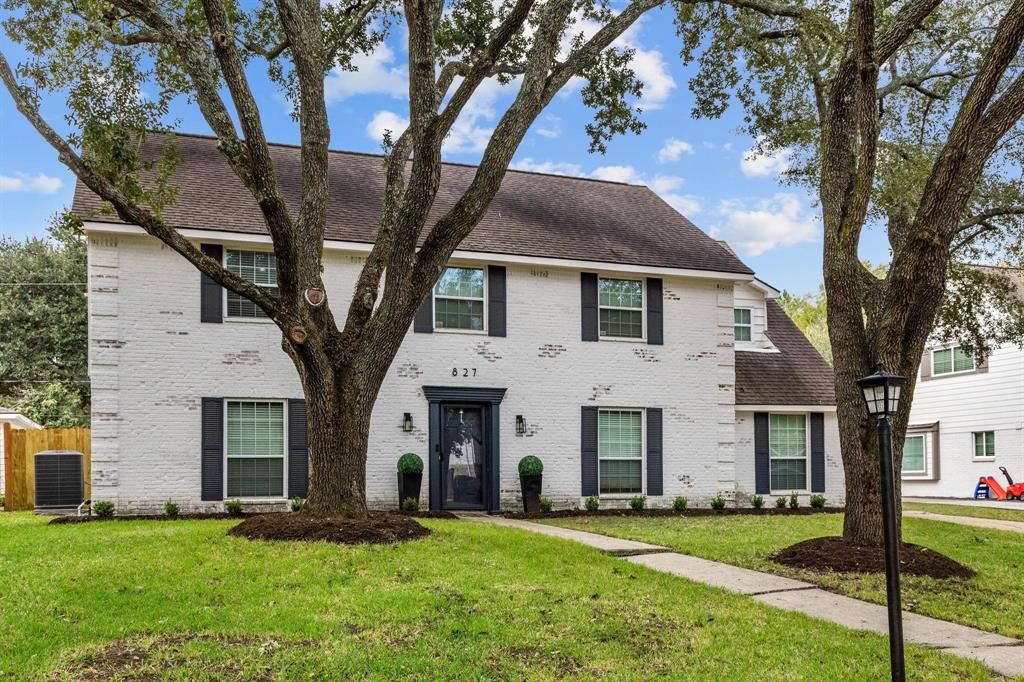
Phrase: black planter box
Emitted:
{"points": [[531, 486], [409, 486]]}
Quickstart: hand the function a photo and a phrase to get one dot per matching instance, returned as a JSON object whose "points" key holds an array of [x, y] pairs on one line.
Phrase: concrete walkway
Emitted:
{"points": [[1002, 654], [995, 524], [967, 502]]}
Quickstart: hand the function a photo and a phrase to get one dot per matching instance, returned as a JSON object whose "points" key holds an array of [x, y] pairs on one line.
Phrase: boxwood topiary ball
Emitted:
{"points": [[530, 466], [410, 463]]}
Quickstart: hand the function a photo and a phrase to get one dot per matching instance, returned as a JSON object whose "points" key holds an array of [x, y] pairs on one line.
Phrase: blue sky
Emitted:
{"points": [[699, 166]]}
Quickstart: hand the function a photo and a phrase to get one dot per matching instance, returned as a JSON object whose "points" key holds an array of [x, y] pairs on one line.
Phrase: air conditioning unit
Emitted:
{"points": [[60, 479]]}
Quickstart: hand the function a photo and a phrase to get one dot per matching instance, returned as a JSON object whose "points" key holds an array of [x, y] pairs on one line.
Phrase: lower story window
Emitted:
{"points": [[620, 451], [787, 443], [255, 452], [913, 455], [984, 444]]}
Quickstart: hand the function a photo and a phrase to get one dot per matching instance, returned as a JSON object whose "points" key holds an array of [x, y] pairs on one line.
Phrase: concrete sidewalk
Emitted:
{"points": [[994, 524], [967, 502], [1003, 655]]}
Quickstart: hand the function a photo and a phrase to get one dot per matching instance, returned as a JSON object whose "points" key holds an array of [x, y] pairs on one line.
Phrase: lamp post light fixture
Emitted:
{"points": [[882, 394], [520, 424], [407, 422]]}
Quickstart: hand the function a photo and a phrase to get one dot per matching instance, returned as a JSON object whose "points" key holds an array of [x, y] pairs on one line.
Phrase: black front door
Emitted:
{"points": [[464, 456]]}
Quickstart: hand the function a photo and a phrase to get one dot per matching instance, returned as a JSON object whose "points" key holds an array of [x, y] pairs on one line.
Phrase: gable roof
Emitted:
{"points": [[1015, 277], [533, 214], [796, 375]]}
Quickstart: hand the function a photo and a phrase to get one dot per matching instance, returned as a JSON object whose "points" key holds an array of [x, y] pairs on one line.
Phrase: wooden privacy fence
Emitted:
{"points": [[20, 448]]}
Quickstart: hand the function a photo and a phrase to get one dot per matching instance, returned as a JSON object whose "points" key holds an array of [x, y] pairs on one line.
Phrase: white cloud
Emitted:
{"points": [[550, 167], [665, 186], [386, 120], [778, 221], [468, 135], [375, 74], [673, 149], [550, 126], [618, 174], [754, 164], [23, 182]]}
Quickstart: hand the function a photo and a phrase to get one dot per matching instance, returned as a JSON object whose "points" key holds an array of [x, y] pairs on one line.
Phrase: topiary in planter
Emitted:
{"points": [[410, 477], [530, 480]]}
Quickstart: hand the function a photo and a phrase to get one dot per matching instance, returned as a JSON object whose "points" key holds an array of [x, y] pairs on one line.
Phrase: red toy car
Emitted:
{"points": [[1013, 491]]}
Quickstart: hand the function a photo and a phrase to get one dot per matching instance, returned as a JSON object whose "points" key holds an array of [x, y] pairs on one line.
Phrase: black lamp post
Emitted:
{"points": [[882, 393]]}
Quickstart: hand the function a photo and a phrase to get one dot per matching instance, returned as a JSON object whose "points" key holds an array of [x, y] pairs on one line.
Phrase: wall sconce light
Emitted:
{"points": [[520, 424], [407, 422]]}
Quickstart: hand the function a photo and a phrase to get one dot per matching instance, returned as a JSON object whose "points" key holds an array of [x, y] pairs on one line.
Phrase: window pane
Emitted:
{"points": [[942, 361], [456, 313], [742, 333], [741, 315], [789, 474], [990, 443], [624, 323], [913, 453], [985, 444], [255, 428], [462, 282], [787, 435], [255, 476], [239, 306], [620, 476], [620, 293], [259, 267], [619, 434], [962, 360]]}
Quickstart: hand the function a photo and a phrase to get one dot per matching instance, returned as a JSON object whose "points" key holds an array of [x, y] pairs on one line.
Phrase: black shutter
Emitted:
{"points": [[762, 467], [655, 315], [211, 295], [654, 457], [817, 452], [496, 300], [588, 452], [298, 449], [212, 460], [588, 303], [424, 321]]}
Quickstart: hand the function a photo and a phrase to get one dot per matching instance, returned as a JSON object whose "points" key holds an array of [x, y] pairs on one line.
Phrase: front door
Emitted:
{"points": [[464, 460]]}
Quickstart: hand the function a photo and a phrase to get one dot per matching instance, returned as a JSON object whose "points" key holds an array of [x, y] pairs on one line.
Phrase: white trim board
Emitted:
{"points": [[364, 247]]}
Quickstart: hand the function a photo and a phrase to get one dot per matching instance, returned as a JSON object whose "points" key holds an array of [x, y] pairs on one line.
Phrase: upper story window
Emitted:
{"points": [[742, 326], [260, 268], [459, 299], [255, 449], [620, 451], [949, 360], [787, 449], [913, 455], [984, 444], [621, 306]]}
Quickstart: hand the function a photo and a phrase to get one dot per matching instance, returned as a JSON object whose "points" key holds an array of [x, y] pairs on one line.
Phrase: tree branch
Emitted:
{"points": [[907, 19]]}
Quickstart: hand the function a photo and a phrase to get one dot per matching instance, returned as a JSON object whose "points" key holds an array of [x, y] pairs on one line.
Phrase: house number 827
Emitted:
{"points": [[465, 371]]}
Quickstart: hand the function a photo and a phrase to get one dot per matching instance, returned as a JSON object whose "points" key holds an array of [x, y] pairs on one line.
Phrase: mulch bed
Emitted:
{"points": [[700, 511], [221, 516], [835, 554], [377, 529]]}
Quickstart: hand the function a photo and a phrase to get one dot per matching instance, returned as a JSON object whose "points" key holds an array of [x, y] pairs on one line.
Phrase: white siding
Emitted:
{"points": [[746, 296], [963, 404]]}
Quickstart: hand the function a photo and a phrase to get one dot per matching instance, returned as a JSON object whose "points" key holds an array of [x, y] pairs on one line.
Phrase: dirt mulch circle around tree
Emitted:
{"points": [[835, 554], [696, 511], [377, 529]]}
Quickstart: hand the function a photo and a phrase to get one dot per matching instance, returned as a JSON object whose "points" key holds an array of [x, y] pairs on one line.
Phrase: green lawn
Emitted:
{"points": [[990, 601], [470, 602], [1014, 513]]}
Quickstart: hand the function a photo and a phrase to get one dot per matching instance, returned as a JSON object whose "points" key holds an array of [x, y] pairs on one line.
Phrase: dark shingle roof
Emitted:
{"points": [[797, 375], [533, 214]]}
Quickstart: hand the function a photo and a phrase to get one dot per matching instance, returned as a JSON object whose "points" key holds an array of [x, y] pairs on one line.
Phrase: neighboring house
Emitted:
{"points": [[967, 419], [16, 421], [583, 322]]}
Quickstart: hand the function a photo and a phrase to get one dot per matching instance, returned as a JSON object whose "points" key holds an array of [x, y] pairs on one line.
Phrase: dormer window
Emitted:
{"points": [[741, 324]]}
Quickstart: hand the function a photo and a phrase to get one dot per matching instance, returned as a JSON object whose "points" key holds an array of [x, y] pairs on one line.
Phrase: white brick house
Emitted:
{"points": [[621, 375]]}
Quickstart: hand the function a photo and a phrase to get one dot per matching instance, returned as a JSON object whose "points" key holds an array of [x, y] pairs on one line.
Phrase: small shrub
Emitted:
{"points": [[297, 503], [545, 503], [171, 509], [679, 504], [637, 503], [410, 504], [794, 501], [818, 501], [592, 503], [3, 499], [530, 466], [233, 507], [718, 503], [410, 463], [757, 501], [780, 502], [103, 508]]}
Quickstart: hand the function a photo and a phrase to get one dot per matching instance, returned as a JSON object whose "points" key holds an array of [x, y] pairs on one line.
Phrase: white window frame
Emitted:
{"points": [[952, 360], [434, 297], [749, 325], [924, 454], [224, 300], [806, 458], [643, 453], [643, 309], [284, 471], [974, 446]]}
